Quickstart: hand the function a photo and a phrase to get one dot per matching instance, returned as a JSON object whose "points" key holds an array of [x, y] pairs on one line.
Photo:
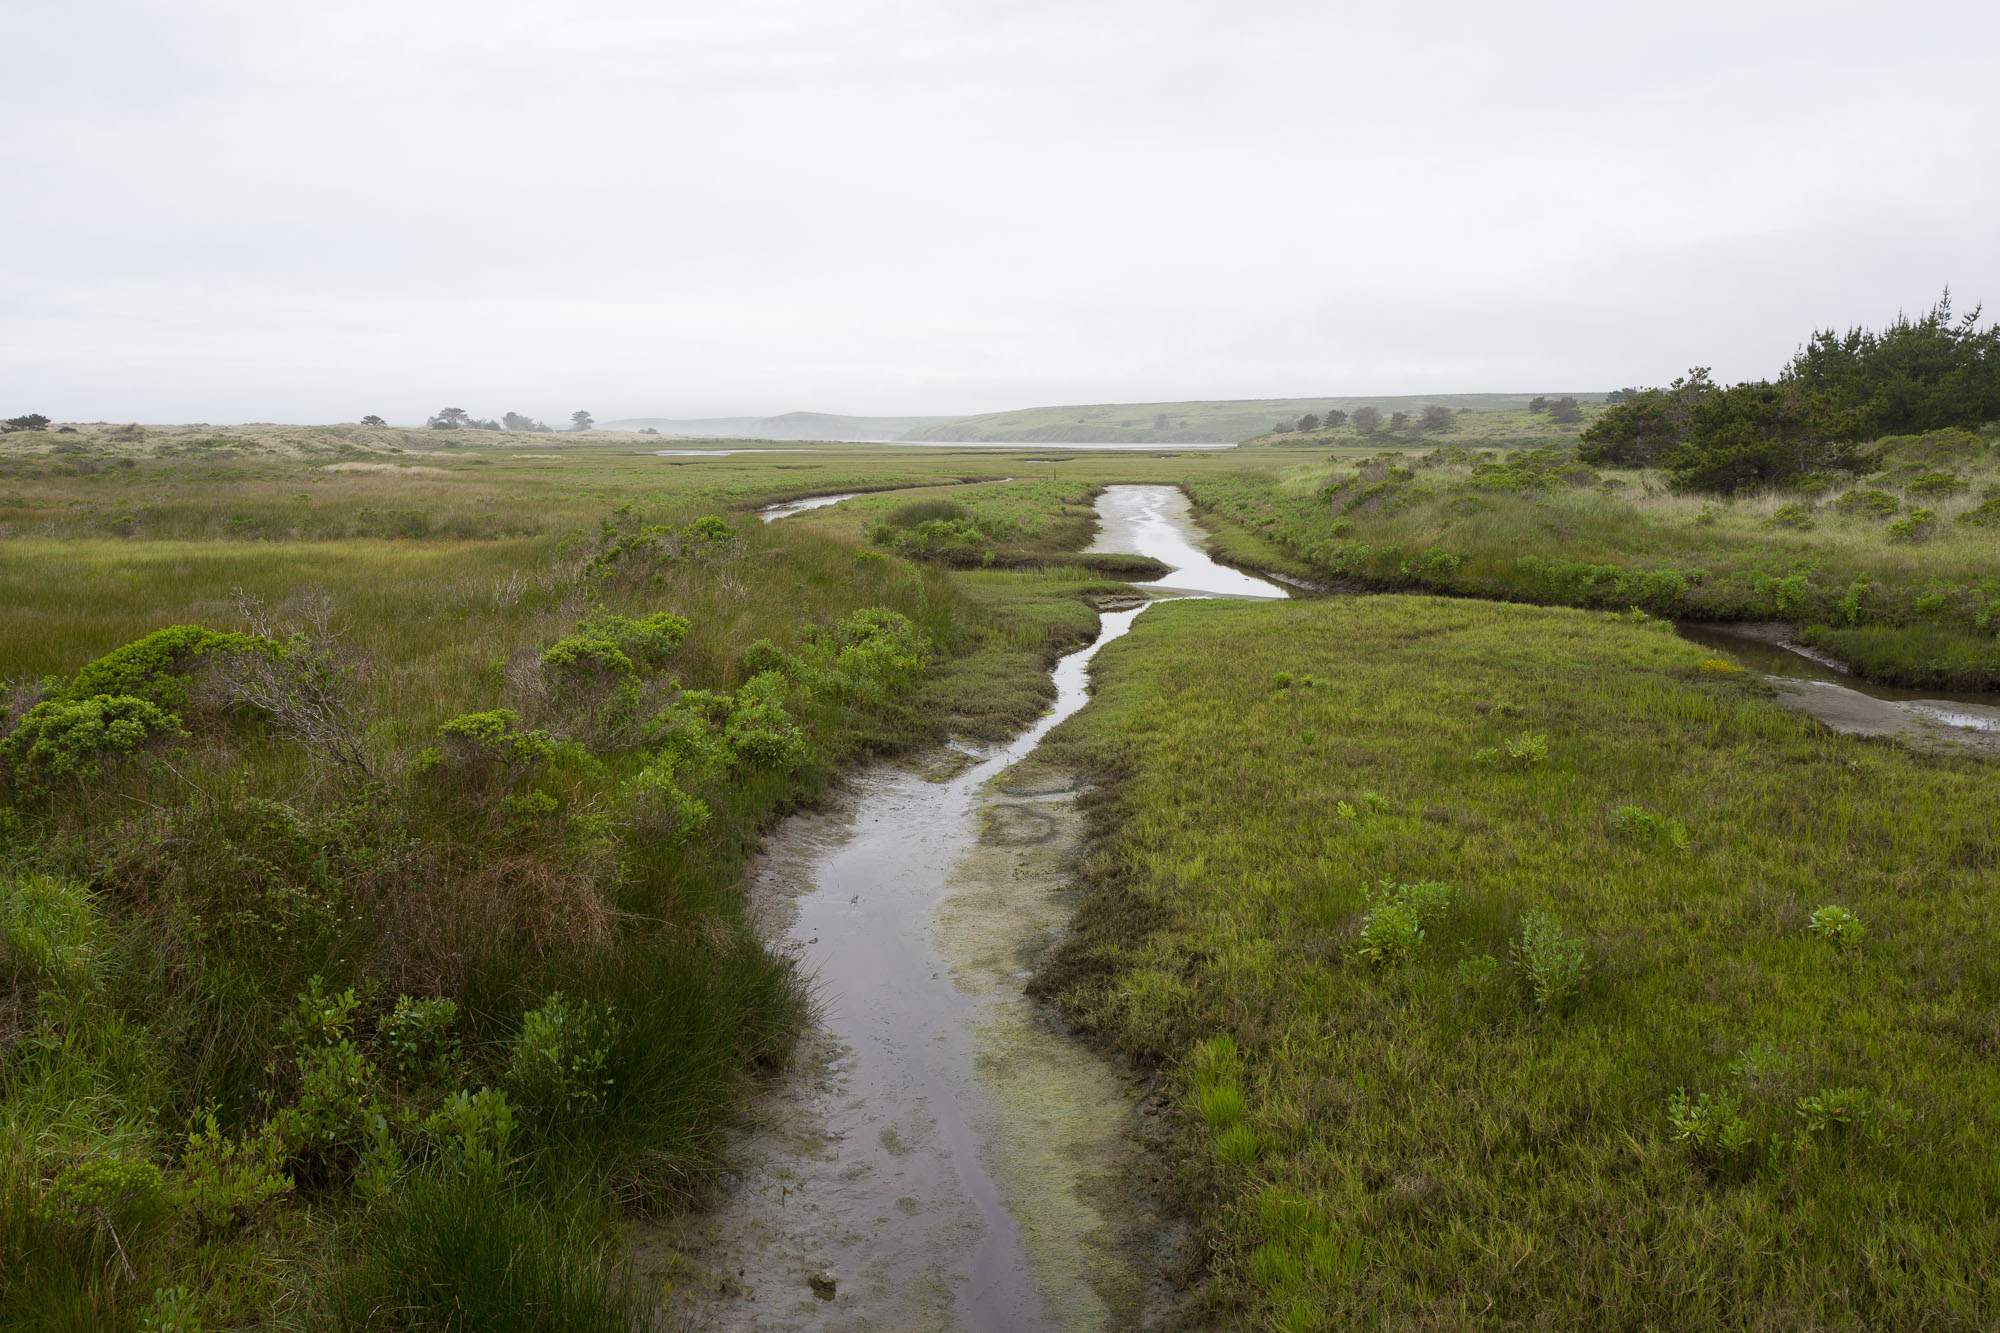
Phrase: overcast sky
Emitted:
{"points": [[278, 210]]}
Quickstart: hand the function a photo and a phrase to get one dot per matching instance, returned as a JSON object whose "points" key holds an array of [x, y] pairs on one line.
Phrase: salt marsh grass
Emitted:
{"points": [[1513, 1111]]}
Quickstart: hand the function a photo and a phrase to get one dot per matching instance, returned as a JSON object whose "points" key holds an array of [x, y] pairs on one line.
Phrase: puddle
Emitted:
{"points": [[1157, 521], [772, 513], [1812, 684], [941, 1149]]}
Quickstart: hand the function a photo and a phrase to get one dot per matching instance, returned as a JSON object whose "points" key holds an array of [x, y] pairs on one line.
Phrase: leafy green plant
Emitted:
{"points": [[60, 738], [1710, 1126], [106, 1192], [1554, 964], [1837, 926], [1528, 750], [224, 1181], [172, 1310], [558, 1061], [417, 1041], [473, 1131], [492, 749], [1393, 929], [1985, 514], [321, 1019], [654, 801], [1835, 1113], [647, 642], [761, 728], [160, 667], [1936, 483]]}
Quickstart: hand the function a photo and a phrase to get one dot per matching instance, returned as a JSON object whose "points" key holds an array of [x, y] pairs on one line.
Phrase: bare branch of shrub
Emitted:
{"points": [[303, 686]]}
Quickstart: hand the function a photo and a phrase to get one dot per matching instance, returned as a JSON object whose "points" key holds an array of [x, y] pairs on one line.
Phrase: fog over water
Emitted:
{"points": [[226, 210]]}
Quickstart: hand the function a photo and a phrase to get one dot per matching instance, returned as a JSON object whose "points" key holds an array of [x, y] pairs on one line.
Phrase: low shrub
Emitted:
{"points": [[1796, 517], [1839, 927], [1915, 527], [558, 1060], [1711, 1128], [1554, 964], [418, 1041], [1867, 504], [62, 739]]}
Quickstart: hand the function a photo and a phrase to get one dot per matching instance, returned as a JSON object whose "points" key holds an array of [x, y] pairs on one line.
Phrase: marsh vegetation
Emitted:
{"points": [[374, 809]]}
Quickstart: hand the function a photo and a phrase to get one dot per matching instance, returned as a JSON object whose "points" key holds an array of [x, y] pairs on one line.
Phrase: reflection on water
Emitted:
{"points": [[1157, 521], [939, 1151], [771, 513]]}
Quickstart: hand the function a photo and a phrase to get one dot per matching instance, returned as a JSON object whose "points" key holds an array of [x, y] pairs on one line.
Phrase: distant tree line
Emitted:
{"points": [[1839, 392], [32, 421], [1564, 409], [1368, 420], [457, 418]]}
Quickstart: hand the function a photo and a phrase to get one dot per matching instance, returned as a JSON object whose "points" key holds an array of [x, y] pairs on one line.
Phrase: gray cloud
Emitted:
{"points": [[232, 211]]}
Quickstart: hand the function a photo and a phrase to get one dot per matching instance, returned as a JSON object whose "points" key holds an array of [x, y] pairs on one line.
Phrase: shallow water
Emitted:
{"points": [[772, 513], [1158, 521], [942, 1150], [1814, 685]]}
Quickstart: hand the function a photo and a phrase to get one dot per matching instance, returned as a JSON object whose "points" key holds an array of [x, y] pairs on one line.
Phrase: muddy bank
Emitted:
{"points": [[1814, 683]]}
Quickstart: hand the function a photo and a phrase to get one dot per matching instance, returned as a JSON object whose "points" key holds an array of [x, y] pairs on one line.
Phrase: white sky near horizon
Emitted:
{"points": [[232, 210]]}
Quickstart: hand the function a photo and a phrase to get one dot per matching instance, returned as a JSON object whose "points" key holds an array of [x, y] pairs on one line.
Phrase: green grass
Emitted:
{"points": [[223, 871], [1537, 526], [1425, 1142]]}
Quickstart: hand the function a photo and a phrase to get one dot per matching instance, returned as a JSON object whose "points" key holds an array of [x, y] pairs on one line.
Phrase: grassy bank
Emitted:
{"points": [[1894, 572], [365, 950], [1485, 953]]}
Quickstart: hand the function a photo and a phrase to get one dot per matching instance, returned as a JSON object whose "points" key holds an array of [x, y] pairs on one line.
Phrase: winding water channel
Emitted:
{"points": [[942, 1155], [1808, 683]]}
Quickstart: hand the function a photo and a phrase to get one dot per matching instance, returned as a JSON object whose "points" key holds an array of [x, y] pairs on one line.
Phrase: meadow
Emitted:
{"points": [[371, 938], [1522, 967]]}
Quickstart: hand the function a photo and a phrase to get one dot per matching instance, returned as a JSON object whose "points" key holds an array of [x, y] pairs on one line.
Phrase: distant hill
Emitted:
{"points": [[1200, 422], [788, 426], [1191, 422]]}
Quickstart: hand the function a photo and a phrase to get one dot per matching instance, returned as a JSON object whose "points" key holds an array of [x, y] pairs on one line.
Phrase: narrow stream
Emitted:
{"points": [[772, 513], [1846, 703], [942, 1155]]}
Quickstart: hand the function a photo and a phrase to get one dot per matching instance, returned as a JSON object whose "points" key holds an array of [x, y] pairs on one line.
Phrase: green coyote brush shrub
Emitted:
{"points": [[71, 739]]}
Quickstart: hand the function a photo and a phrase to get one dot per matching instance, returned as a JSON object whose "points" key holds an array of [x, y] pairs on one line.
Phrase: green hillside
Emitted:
{"points": [[1195, 422]]}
